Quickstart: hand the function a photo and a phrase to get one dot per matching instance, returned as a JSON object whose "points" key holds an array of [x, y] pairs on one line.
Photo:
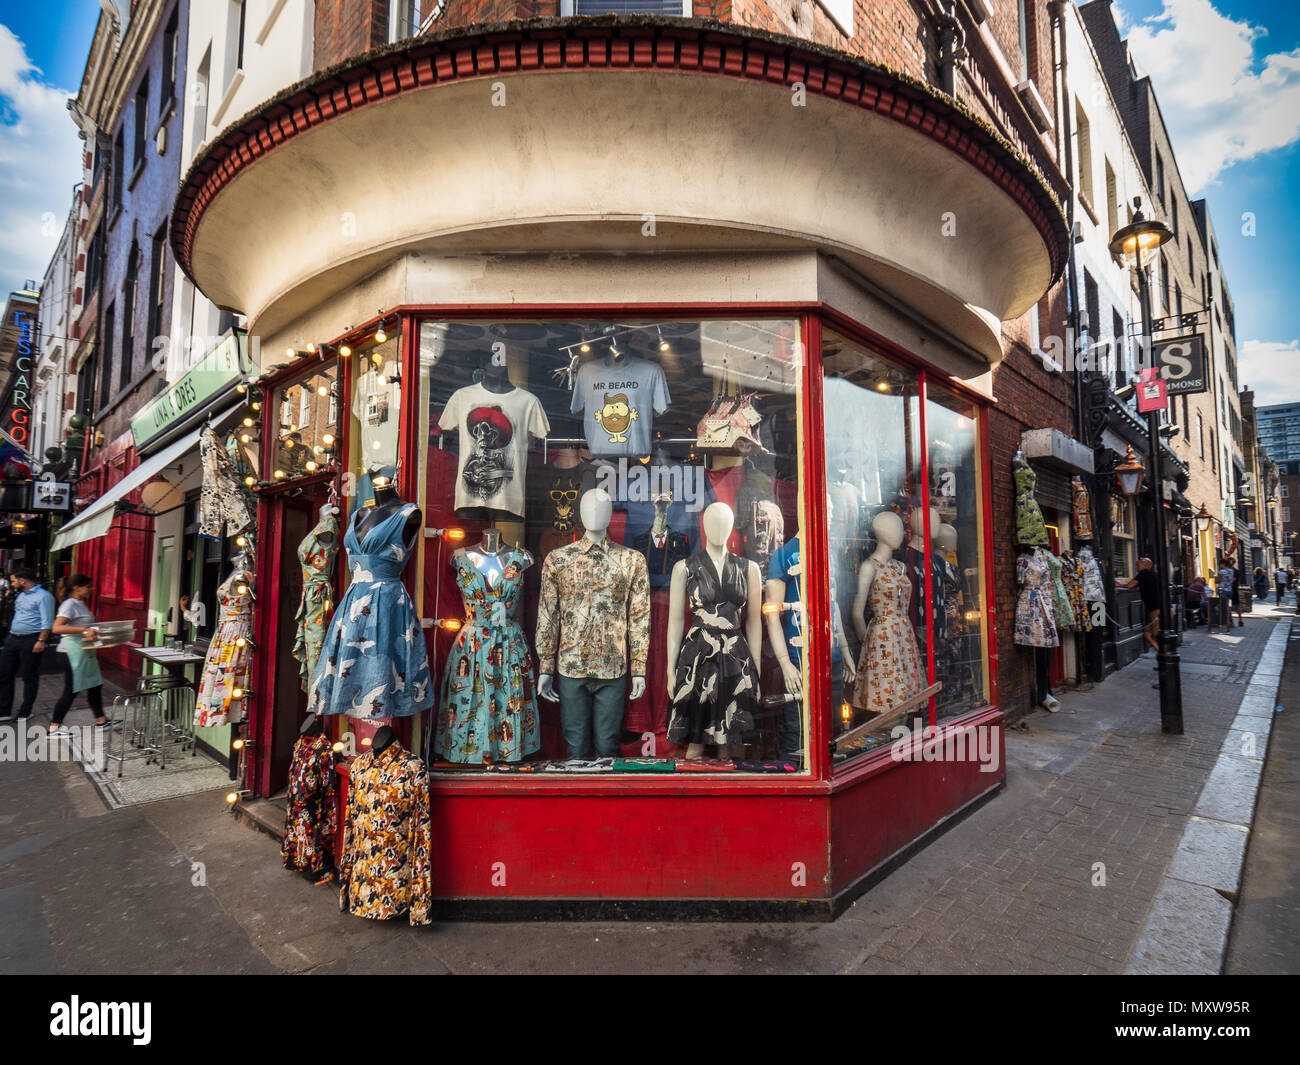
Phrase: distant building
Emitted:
{"points": [[1279, 430]]}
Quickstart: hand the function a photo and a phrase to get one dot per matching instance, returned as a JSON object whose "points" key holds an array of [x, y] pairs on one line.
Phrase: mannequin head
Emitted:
{"points": [[595, 507], [718, 523], [946, 538], [888, 529], [918, 524]]}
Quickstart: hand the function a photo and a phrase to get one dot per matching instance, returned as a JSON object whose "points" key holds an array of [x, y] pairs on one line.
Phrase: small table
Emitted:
{"points": [[173, 659]]}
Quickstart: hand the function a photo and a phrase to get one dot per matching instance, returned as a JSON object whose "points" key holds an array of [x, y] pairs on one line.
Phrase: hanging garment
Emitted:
{"points": [[494, 430], [1072, 578], [224, 499], [650, 712], [1082, 509], [489, 701], [228, 664], [889, 668], [715, 689], [1035, 622], [1030, 529], [384, 869], [1093, 589], [373, 663], [309, 824], [1062, 610], [316, 555]]}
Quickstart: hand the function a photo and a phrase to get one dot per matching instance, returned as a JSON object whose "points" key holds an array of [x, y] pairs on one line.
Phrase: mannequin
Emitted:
{"points": [[593, 626], [1035, 622], [489, 710], [717, 651], [387, 501], [919, 608], [889, 668], [384, 737], [307, 843]]}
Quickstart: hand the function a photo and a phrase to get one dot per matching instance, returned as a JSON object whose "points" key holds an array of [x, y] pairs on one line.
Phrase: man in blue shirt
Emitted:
{"points": [[22, 649]]}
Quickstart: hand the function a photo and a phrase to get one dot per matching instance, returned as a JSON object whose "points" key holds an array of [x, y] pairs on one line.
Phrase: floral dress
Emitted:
{"points": [[1030, 528], [715, 689], [1072, 578], [1035, 622], [1062, 607], [889, 668], [224, 498], [316, 555], [309, 824], [373, 663], [384, 870], [227, 666], [489, 703]]}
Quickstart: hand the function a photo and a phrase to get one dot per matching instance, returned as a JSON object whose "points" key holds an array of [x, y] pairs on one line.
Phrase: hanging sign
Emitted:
{"points": [[51, 495], [18, 415], [1182, 364], [217, 372], [1152, 392]]}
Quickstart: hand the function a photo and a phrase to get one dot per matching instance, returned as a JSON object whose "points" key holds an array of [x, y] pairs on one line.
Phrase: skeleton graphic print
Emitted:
{"points": [[494, 430]]}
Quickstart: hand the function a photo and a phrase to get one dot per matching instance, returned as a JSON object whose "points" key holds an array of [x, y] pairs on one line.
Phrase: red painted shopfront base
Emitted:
{"points": [[624, 846]]}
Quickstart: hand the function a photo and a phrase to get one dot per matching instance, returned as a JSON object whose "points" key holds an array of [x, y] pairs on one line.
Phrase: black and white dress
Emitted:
{"points": [[715, 690]]}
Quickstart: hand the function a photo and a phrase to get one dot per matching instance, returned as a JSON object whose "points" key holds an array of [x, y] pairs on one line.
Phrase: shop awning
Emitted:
{"points": [[96, 519]]}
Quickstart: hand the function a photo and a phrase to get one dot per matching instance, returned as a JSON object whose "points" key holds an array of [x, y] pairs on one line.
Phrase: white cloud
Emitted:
{"points": [[1271, 369], [40, 162], [1221, 104]]}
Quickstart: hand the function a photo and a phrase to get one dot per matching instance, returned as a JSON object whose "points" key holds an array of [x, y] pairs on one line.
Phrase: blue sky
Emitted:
{"points": [[1227, 73]]}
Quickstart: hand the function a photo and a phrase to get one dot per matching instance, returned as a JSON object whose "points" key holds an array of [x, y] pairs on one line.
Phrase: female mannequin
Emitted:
{"points": [[387, 502], [889, 669], [713, 680]]}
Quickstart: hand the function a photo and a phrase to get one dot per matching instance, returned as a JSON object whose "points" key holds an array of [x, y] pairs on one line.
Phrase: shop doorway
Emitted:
{"points": [[295, 520]]}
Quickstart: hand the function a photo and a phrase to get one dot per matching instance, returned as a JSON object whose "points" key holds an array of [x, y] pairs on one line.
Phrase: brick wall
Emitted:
{"points": [[348, 27]]}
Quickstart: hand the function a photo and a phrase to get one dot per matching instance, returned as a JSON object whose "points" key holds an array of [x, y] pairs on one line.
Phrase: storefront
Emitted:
{"points": [[539, 333]]}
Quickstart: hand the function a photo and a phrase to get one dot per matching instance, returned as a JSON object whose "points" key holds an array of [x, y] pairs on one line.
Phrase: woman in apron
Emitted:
{"points": [[75, 624]]}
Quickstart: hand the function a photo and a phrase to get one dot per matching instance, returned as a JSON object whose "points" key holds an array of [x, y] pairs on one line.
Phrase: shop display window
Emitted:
{"points": [[961, 624], [306, 416], [1124, 556], [534, 432], [376, 412]]}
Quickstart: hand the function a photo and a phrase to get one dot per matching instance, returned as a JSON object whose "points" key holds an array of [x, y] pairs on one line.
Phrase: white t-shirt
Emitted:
{"points": [[494, 431], [75, 612]]}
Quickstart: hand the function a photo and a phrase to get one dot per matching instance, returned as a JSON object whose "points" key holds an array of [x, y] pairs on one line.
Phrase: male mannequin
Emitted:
{"points": [[593, 623], [718, 521]]}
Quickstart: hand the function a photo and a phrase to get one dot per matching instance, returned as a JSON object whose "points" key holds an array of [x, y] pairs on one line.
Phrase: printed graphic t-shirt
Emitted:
{"points": [[494, 431], [619, 402]]}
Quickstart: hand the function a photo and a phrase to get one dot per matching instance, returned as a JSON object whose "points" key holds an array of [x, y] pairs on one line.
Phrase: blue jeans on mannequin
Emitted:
{"points": [[587, 705]]}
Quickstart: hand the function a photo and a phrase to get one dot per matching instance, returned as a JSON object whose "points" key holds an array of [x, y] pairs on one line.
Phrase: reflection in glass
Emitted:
{"points": [[307, 424]]}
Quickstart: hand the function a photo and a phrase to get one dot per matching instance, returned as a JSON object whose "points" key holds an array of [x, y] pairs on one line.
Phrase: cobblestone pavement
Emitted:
{"points": [[180, 886]]}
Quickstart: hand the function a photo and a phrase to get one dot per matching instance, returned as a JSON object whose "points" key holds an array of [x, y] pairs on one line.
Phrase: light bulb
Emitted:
{"points": [[311, 466], [250, 481], [290, 352], [242, 589], [238, 745], [377, 358], [323, 390], [455, 534], [327, 439], [241, 642], [663, 345], [883, 386], [248, 422], [279, 475], [311, 349], [241, 388], [380, 335], [450, 624], [232, 797], [375, 445], [287, 442], [317, 449], [256, 405], [236, 693], [245, 438], [242, 541], [584, 346], [345, 351]]}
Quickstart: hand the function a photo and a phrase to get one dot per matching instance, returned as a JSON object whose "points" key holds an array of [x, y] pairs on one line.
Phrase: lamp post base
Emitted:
{"points": [[1171, 683]]}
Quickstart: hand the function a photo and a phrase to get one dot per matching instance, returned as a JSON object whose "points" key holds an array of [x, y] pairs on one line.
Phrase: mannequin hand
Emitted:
{"points": [[793, 678], [638, 688], [850, 670], [546, 688]]}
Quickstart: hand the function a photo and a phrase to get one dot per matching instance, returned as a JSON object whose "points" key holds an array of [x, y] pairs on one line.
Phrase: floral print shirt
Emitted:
{"points": [[594, 616], [384, 870]]}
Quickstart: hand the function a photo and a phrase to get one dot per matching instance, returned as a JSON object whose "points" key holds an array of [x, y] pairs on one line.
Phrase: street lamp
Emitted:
{"points": [[1133, 245], [1129, 473], [1203, 519]]}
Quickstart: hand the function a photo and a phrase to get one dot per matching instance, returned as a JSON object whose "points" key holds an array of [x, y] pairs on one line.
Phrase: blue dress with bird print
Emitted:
{"points": [[374, 663]]}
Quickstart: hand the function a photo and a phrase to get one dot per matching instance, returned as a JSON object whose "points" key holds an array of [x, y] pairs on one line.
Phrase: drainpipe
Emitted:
{"points": [[948, 30], [1060, 62]]}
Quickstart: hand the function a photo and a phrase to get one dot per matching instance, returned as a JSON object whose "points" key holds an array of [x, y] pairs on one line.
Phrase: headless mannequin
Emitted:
{"points": [[496, 379], [888, 529], [386, 502], [595, 508], [485, 556], [312, 727], [385, 737], [718, 522]]}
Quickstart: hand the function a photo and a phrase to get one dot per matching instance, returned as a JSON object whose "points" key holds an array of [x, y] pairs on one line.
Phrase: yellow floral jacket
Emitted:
{"points": [[385, 870]]}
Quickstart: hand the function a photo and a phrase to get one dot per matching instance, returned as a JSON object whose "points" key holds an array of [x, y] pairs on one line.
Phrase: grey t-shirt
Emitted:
{"points": [[74, 612], [619, 402]]}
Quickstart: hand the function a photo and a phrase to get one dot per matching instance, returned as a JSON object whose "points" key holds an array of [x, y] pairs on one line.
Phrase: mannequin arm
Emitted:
{"points": [[841, 641], [676, 620], [866, 574], [754, 609], [775, 634]]}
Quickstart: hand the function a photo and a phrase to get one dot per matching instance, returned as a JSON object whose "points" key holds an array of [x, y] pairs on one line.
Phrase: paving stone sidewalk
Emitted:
{"points": [[1014, 888]]}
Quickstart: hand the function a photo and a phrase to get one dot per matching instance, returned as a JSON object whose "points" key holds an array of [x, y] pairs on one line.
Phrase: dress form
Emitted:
{"points": [[386, 502], [888, 529], [718, 521], [595, 508]]}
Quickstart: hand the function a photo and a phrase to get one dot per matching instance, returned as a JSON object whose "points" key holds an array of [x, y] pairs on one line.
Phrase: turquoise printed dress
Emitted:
{"points": [[489, 702], [373, 663]]}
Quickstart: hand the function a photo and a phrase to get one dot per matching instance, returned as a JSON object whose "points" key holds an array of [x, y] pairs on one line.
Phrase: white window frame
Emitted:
{"points": [[566, 8]]}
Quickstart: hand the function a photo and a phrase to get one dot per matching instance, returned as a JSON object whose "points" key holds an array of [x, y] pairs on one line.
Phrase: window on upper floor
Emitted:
{"points": [[1200, 433], [157, 258], [1178, 299], [167, 78], [840, 10], [119, 161], [1164, 282], [1112, 200], [1187, 428], [404, 17], [106, 356], [201, 91], [1022, 20], [1121, 348], [1085, 155], [129, 290], [1160, 179], [1173, 218], [141, 130], [235, 19]]}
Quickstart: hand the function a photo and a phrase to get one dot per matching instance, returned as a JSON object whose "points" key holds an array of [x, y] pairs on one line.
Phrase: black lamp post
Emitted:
{"points": [[1133, 245]]}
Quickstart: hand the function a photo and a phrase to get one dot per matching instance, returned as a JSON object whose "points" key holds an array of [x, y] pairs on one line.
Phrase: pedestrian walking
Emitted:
{"points": [[1225, 584], [21, 652], [75, 624], [1194, 597], [1283, 577], [1261, 584]]}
